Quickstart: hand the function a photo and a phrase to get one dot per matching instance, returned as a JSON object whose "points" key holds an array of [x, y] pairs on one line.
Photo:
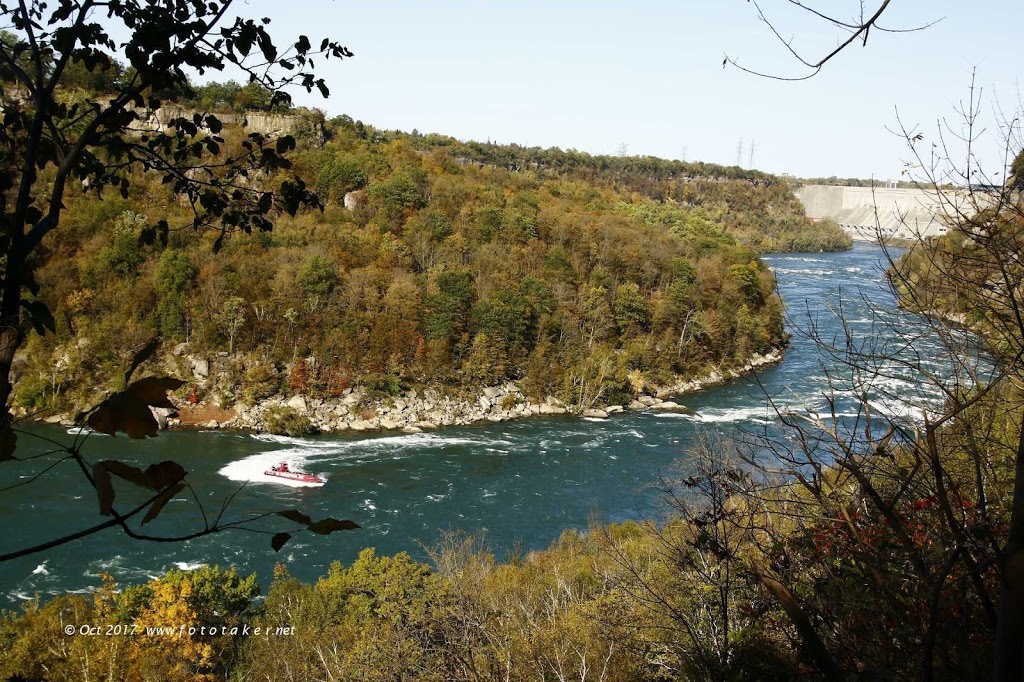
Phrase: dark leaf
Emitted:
{"points": [[104, 488], [126, 471], [8, 442], [126, 413], [162, 231], [33, 215], [266, 202], [144, 353], [155, 477], [285, 144], [147, 236], [165, 473], [213, 124], [329, 525], [153, 390], [266, 46], [277, 542], [40, 316], [31, 284], [296, 516], [158, 504]]}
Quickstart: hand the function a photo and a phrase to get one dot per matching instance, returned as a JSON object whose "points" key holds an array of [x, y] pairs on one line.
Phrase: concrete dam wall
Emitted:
{"points": [[867, 212]]}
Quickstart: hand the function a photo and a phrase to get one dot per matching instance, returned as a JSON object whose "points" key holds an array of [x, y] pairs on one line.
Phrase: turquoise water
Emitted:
{"points": [[521, 483]]}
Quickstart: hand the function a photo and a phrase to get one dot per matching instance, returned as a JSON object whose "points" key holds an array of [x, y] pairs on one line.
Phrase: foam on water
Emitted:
{"points": [[439, 497], [126, 569], [188, 566], [719, 415], [83, 431], [801, 259], [898, 410], [816, 272], [288, 440], [304, 453], [409, 440]]}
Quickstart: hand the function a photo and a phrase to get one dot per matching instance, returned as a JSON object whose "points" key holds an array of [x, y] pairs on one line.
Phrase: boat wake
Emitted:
{"points": [[253, 469], [305, 454]]}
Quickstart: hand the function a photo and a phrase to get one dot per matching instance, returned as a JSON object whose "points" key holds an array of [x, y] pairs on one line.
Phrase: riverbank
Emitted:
{"points": [[416, 411], [521, 482]]}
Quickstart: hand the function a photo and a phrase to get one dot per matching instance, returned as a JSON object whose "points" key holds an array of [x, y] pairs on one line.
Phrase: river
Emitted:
{"points": [[521, 483]]}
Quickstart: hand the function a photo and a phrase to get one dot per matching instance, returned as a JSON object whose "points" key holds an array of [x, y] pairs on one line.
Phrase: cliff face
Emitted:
{"points": [[357, 409], [265, 123]]}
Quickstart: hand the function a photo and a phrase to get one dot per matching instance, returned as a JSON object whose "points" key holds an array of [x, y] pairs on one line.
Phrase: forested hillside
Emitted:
{"points": [[758, 209], [876, 533], [582, 277]]}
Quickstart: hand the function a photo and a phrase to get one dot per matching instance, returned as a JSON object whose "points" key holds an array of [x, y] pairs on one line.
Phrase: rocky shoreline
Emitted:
{"points": [[417, 411]]}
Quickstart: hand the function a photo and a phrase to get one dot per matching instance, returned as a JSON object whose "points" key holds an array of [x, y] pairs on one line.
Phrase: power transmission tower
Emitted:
{"points": [[623, 150], [739, 153], [753, 148], [684, 152]]}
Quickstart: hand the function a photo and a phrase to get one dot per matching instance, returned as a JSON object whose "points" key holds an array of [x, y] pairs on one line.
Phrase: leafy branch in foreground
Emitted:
{"points": [[53, 143], [129, 412], [49, 142]]}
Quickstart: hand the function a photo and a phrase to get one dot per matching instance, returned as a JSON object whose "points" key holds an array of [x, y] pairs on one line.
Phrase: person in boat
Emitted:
{"points": [[283, 467]]}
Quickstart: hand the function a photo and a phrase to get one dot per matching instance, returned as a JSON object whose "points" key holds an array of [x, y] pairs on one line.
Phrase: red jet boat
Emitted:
{"points": [[282, 471]]}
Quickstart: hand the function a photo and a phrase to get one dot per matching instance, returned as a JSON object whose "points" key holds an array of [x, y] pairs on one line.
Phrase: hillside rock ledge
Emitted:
{"points": [[417, 411]]}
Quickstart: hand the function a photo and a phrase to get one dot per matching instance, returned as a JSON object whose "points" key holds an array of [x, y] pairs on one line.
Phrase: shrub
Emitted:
{"points": [[285, 421]]}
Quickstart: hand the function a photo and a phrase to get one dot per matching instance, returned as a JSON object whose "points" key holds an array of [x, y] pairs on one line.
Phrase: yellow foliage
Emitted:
{"points": [[178, 655]]}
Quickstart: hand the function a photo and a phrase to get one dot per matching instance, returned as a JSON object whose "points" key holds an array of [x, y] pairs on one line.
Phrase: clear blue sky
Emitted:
{"points": [[593, 75]]}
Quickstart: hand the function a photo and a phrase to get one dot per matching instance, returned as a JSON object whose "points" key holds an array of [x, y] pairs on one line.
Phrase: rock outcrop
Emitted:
{"points": [[263, 122], [355, 410]]}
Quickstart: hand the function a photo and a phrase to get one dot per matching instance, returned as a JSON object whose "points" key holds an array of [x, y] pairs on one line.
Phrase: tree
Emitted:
{"points": [[447, 306], [51, 145], [688, 591], [318, 279], [1016, 177], [864, 507], [632, 314], [232, 319], [338, 176]]}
